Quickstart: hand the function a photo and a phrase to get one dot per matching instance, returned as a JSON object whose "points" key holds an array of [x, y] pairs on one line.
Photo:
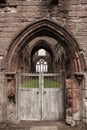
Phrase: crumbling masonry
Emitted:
{"points": [[53, 25]]}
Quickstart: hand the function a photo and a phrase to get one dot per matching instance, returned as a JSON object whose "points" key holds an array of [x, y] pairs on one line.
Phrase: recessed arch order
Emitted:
{"points": [[45, 28]]}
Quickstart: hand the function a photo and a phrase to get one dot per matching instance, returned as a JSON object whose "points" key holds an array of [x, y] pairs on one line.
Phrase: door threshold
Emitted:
{"points": [[41, 123]]}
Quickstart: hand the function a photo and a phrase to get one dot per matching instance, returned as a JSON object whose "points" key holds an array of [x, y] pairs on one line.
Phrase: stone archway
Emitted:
{"points": [[52, 30], [48, 48], [75, 59]]}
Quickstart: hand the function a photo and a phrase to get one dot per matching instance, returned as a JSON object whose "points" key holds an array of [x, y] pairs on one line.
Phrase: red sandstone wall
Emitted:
{"points": [[16, 14]]}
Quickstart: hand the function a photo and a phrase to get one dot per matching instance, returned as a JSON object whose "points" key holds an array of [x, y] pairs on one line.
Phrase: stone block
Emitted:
{"points": [[28, 8], [1, 114], [77, 116], [1, 91], [2, 79], [30, 3], [85, 93], [74, 2], [44, 128], [83, 1]]}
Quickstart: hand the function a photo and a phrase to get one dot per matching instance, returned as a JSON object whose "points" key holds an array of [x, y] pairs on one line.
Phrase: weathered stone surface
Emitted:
{"points": [[16, 14], [44, 128], [83, 1], [74, 2], [11, 113]]}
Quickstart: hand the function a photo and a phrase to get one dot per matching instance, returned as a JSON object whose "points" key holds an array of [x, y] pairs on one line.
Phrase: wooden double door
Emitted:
{"points": [[40, 97]]}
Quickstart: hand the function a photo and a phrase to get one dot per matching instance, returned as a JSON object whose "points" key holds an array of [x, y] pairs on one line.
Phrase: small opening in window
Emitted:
{"points": [[2, 1]]}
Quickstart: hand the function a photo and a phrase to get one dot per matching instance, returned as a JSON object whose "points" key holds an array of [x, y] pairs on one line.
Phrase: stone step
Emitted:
{"points": [[41, 125]]}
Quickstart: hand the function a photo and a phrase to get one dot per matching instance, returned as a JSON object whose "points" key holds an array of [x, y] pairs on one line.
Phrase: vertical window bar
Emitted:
{"points": [[46, 82], [51, 79], [24, 82], [21, 79], [37, 82], [56, 83], [44, 68], [48, 79], [32, 82], [61, 82], [27, 82]]}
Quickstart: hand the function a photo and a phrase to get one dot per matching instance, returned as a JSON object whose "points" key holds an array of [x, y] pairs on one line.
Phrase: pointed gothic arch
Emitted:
{"points": [[47, 28], [50, 29]]}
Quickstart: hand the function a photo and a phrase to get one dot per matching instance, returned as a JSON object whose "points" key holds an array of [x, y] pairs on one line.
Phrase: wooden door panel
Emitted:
{"points": [[52, 104], [30, 104]]}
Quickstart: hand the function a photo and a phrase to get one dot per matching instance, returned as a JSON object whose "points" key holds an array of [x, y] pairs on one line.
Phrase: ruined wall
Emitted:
{"points": [[16, 14]]}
